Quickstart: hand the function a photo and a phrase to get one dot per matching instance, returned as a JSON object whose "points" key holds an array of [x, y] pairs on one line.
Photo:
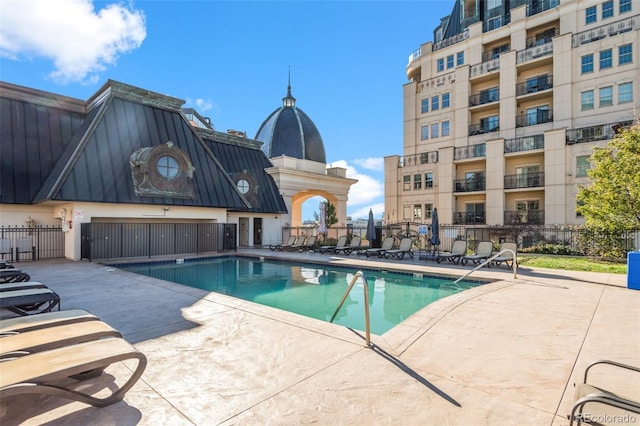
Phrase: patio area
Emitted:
{"points": [[507, 352]]}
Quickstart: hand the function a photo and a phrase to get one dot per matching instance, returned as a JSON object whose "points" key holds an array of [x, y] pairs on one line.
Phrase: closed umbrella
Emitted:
{"points": [[371, 229], [435, 228], [322, 228]]}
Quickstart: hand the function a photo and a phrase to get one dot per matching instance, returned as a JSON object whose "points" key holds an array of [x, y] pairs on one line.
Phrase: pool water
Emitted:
{"points": [[313, 290]]}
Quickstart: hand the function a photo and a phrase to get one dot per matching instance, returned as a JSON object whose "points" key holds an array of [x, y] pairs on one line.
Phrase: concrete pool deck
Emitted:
{"points": [[503, 353]]}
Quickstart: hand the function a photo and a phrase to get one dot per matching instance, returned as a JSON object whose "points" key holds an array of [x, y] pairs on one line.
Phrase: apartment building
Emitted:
{"points": [[504, 107]]}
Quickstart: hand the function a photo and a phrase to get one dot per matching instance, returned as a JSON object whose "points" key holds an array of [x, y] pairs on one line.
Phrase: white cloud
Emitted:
{"points": [[371, 163], [363, 213], [366, 190], [79, 41]]}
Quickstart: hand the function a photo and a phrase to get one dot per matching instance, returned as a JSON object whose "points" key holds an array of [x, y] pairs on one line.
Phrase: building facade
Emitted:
{"points": [[503, 109]]}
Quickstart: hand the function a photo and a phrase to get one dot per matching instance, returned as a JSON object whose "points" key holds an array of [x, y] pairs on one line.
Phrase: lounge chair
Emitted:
{"points": [[13, 275], [311, 243], [47, 372], [458, 251], [342, 241], [21, 285], [29, 301], [404, 248], [289, 243], [5, 264], [483, 252], [5, 248], [602, 403], [387, 244], [56, 336], [353, 245], [48, 319], [298, 245], [507, 257], [25, 245]]}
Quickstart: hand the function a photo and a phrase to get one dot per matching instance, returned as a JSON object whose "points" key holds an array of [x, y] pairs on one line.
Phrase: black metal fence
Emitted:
{"points": [[47, 242], [125, 240]]}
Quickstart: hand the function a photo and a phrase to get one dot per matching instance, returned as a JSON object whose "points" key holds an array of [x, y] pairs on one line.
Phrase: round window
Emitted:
{"points": [[243, 186], [167, 167]]}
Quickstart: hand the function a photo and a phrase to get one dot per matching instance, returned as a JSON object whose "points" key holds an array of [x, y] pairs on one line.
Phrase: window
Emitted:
{"points": [[586, 100], [428, 180], [527, 176], [424, 105], [607, 9], [524, 207], [428, 211], [490, 124], [624, 54], [606, 60], [582, 165], [587, 63], [489, 95], [440, 64], [406, 183], [417, 211], [435, 131], [606, 96], [417, 181], [167, 167], [537, 115], [449, 61], [492, 4], [625, 93], [406, 212], [243, 186], [460, 56], [446, 100], [435, 103], [424, 133], [625, 6], [591, 15], [445, 128], [475, 213]]}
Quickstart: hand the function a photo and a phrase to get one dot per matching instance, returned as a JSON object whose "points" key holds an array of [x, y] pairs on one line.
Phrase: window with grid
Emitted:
{"points": [[460, 58], [446, 100], [606, 59], [625, 54], [417, 211], [606, 96], [424, 133], [406, 183], [424, 105], [591, 15], [445, 128], [607, 9], [428, 210], [417, 181], [440, 64], [428, 180], [449, 61], [435, 131], [625, 93], [587, 63], [435, 103], [625, 6], [582, 165], [586, 100]]}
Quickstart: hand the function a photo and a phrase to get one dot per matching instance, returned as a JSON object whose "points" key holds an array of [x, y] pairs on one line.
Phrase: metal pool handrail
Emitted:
{"points": [[489, 260], [367, 325]]}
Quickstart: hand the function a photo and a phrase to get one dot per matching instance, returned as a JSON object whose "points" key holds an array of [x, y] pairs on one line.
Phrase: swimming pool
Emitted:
{"points": [[313, 290]]}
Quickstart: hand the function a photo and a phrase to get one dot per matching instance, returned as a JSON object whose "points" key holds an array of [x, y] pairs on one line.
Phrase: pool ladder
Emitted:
{"points": [[367, 324]]}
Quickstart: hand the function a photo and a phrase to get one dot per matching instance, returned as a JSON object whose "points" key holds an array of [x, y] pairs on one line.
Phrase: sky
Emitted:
{"points": [[232, 62]]}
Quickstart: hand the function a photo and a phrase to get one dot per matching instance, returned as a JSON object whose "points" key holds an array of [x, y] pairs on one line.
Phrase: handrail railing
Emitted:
{"points": [[367, 325], [489, 260]]}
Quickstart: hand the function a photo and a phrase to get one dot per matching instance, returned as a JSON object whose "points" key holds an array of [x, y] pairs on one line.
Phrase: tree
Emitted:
{"points": [[331, 218], [612, 200]]}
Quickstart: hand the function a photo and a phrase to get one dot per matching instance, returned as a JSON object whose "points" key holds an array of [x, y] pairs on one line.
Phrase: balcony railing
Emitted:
{"points": [[530, 180], [422, 158], [531, 217], [468, 218], [595, 34], [535, 85], [526, 143], [485, 97], [600, 132], [534, 53], [472, 151], [451, 40], [533, 118], [484, 67], [469, 185], [496, 22], [542, 6], [479, 129]]}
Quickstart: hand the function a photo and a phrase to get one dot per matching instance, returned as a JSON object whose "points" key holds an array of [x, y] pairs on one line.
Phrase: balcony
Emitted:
{"points": [[472, 151], [531, 217], [534, 53], [480, 129], [526, 143], [533, 118], [451, 40], [601, 132], [468, 218], [542, 6], [530, 180], [469, 185], [422, 158], [595, 34], [485, 97], [484, 68], [535, 85], [496, 22]]}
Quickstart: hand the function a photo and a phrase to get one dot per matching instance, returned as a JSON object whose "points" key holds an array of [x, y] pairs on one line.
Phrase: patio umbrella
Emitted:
{"points": [[322, 228], [371, 228], [435, 228]]}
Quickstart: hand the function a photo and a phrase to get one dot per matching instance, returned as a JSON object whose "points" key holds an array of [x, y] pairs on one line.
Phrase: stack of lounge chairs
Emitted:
{"points": [[24, 297]]}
